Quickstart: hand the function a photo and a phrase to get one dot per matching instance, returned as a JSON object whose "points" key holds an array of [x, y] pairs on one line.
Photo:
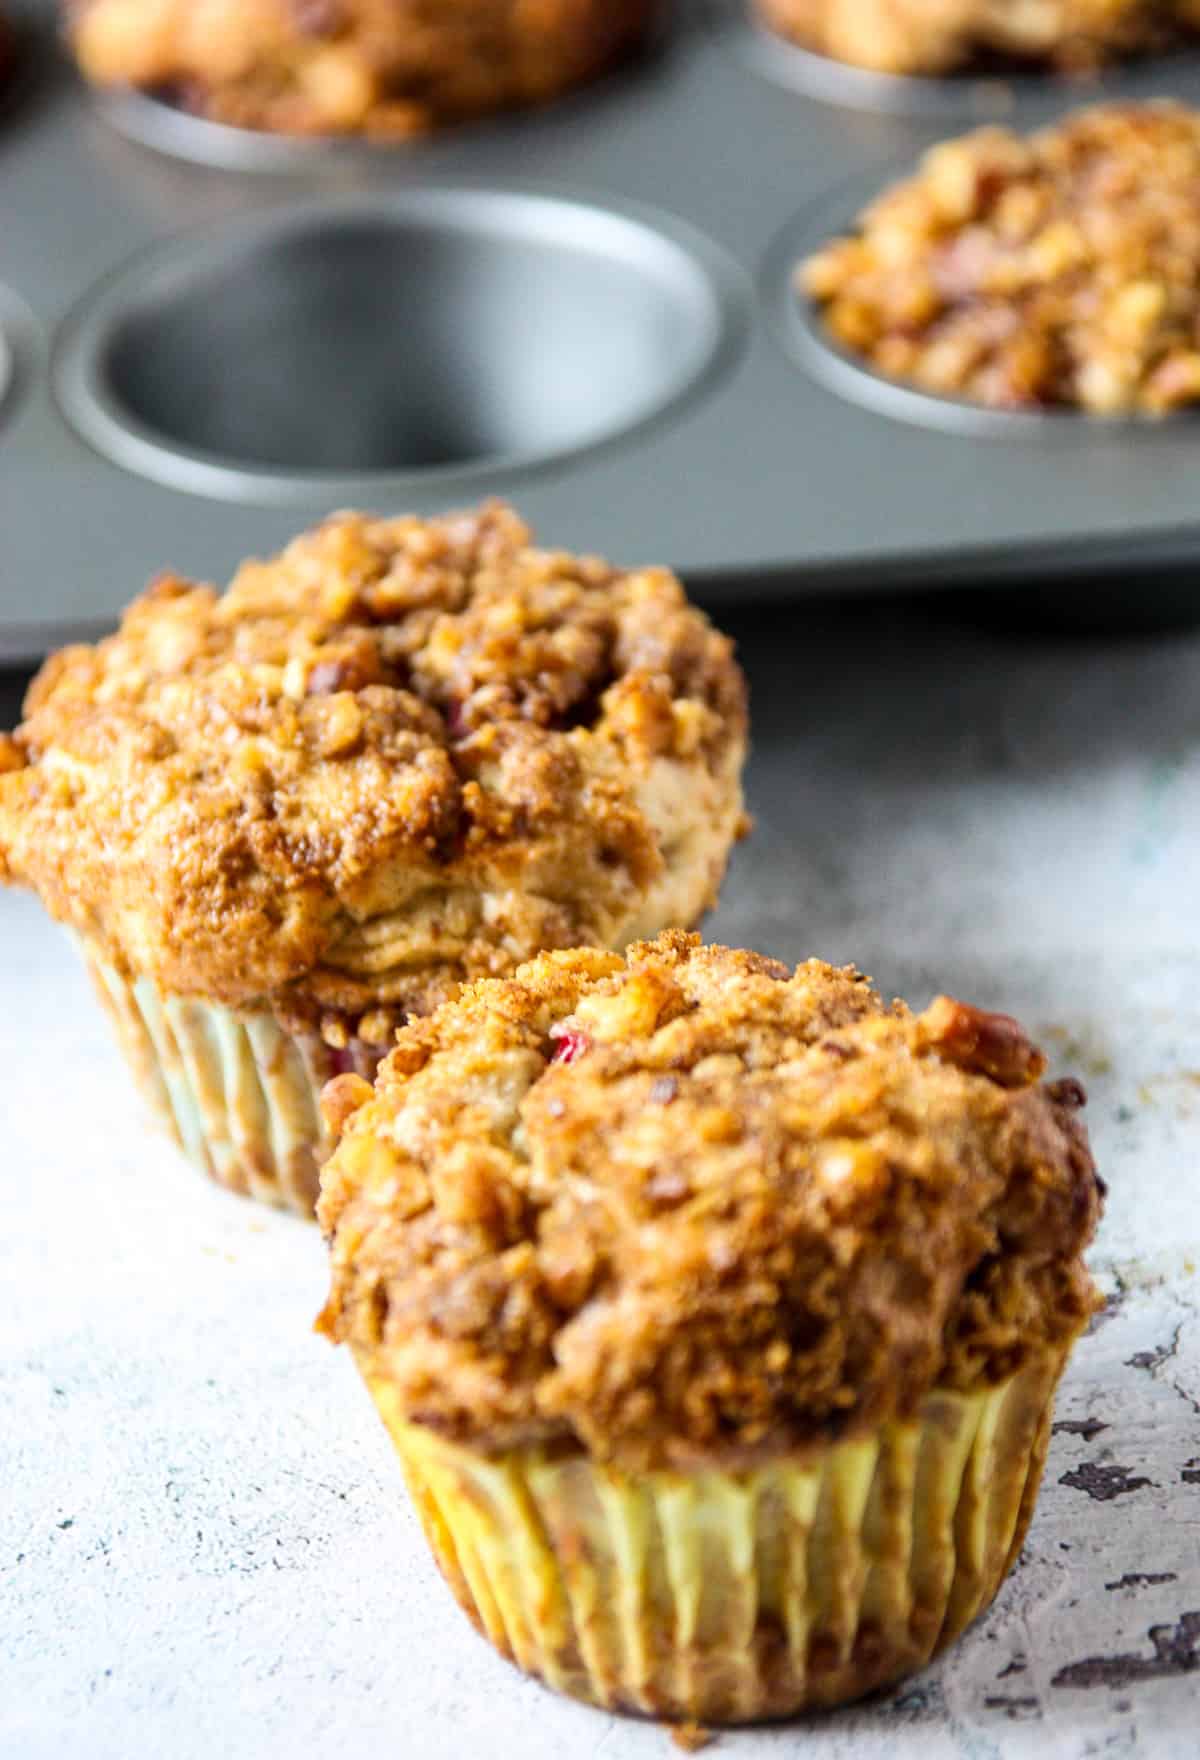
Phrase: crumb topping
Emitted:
{"points": [[400, 753], [1058, 270], [942, 36], [387, 68], [691, 1205]]}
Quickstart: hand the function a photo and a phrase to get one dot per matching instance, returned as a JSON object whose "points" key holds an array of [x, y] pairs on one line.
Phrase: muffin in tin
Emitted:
{"points": [[715, 1311], [943, 36], [1060, 270], [401, 754], [386, 68]]}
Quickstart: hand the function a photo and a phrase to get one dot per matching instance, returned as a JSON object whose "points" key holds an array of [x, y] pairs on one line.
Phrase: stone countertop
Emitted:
{"points": [[204, 1544]]}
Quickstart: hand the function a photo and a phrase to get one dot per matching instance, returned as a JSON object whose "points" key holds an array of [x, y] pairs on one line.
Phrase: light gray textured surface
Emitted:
{"points": [[204, 1548]]}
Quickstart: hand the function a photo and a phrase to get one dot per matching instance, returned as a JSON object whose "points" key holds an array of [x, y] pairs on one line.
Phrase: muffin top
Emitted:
{"points": [[401, 753], [392, 68], [938, 36], [1063, 269], [692, 1206]]}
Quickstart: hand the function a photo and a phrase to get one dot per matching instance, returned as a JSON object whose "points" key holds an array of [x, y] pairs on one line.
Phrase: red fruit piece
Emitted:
{"points": [[569, 1043]]}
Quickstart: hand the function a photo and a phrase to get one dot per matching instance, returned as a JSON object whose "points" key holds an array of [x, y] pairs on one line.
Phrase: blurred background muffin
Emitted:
{"points": [[388, 68], [940, 36], [1061, 270], [401, 754], [715, 1312]]}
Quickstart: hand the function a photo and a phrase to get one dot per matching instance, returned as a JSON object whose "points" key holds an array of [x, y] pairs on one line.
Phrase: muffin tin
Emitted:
{"points": [[211, 338]]}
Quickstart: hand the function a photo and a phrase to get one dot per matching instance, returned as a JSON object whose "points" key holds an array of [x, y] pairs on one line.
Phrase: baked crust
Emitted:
{"points": [[389, 68], [399, 754], [941, 36], [692, 1208], [1062, 269]]}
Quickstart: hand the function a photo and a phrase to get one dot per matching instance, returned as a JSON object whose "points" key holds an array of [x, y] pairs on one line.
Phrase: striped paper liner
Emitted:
{"points": [[238, 1092], [722, 1596]]}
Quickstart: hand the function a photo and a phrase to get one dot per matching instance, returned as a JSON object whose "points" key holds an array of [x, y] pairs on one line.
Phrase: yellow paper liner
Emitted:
{"points": [[725, 1597], [239, 1093]]}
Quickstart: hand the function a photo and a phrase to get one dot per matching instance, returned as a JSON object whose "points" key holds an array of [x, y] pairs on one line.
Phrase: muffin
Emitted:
{"points": [[389, 68], [715, 1312], [942, 36], [1062, 270], [401, 754]]}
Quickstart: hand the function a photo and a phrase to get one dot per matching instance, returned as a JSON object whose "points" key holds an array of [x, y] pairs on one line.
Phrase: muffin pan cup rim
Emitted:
{"points": [[719, 287], [20, 353]]}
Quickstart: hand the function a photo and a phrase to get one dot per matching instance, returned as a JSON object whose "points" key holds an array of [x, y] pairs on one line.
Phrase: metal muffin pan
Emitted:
{"points": [[215, 338]]}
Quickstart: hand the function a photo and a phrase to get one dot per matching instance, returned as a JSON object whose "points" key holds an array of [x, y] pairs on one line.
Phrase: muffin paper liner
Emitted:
{"points": [[724, 1596], [239, 1093]]}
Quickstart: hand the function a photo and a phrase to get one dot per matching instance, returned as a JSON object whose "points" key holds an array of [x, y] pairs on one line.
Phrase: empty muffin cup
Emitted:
{"points": [[434, 336]]}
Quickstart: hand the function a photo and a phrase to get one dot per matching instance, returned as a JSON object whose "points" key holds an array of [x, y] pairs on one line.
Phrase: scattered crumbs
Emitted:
{"points": [[1123, 1705], [1064, 1546], [1018, 1665], [1142, 1579], [1103, 1483], [1080, 1049], [1190, 1471], [691, 1737], [67, 1522], [1178, 1087], [1125, 1115], [1088, 1428]]}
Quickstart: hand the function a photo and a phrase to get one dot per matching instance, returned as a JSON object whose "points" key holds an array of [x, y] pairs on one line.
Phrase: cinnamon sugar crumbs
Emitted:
{"points": [[843, 1206], [1062, 270]]}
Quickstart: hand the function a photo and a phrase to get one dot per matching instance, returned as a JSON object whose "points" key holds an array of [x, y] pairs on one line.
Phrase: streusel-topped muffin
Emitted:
{"points": [[716, 1311], [1059, 270], [401, 754], [388, 68], [941, 36]]}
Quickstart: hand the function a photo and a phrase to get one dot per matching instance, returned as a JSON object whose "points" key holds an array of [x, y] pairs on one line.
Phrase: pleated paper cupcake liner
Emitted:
{"points": [[238, 1092], [723, 1596]]}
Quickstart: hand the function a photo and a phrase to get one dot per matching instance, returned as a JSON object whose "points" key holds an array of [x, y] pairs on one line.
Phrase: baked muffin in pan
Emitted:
{"points": [[401, 754], [387, 68], [943, 36], [715, 1311], [1060, 270]]}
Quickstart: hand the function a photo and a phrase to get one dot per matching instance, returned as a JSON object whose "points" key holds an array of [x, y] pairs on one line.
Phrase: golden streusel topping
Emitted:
{"points": [[1062, 269], [691, 1205], [388, 68], [939, 36], [399, 753]]}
